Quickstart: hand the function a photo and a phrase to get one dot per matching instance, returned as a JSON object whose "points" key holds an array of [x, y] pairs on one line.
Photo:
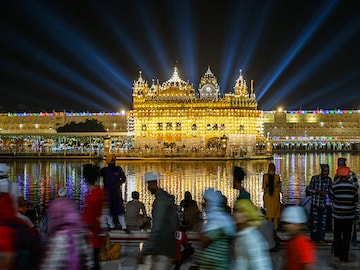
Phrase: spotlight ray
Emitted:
{"points": [[343, 96], [318, 60], [125, 41], [245, 46], [153, 35], [185, 29], [294, 50], [229, 51], [58, 68], [99, 64], [61, 91]]}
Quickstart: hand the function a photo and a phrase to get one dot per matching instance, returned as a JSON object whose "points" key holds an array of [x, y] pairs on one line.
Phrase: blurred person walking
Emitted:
{"points": [[7, 186], [272, 189], [161, 244], [344, 198], [95, 203], [319, 187], [251, 250], [20, 246], [68, 247], [190, 212], [8, 215], [216, 234], [238, 178], [114, 177], [300, 253], [269, 233], [135, 214]]}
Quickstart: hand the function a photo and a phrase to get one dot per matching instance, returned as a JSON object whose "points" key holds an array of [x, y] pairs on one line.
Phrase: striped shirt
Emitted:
{"points": [[352, 179], [217, 255], [344, 198]]}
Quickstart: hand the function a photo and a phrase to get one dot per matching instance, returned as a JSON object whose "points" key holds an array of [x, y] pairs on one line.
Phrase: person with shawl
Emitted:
{"points": [[251, 250], [114, 177], [68, 246], [272, 190], [216, 234], [191, 213]]}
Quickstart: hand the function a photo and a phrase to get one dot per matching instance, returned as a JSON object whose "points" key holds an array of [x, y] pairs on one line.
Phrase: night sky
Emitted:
{"points": [[85, 55]]}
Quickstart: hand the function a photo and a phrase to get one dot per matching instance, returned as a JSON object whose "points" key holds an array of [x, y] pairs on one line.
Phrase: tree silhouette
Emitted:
{"points": [[90, 125]]}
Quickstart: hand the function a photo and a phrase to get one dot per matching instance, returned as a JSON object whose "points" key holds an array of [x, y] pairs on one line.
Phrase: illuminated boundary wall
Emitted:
{"points": [[312, 125]]}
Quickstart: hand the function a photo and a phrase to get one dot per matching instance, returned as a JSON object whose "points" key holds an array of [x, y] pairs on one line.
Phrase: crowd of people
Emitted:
{"points": [[238, 238]]}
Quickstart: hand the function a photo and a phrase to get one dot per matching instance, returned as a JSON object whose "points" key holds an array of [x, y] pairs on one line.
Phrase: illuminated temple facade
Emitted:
{"points": [[176, 115]]}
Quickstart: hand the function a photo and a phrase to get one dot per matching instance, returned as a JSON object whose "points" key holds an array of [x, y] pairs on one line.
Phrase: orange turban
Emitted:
{"points": [[110, 157]]}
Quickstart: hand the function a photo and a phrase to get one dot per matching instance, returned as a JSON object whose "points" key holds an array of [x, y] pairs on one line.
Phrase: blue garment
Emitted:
{"points": [[243, 194], [318, 224], [114, 177], [220, 228]]}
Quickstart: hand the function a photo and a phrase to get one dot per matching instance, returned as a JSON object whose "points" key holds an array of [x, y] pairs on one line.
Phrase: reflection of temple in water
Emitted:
{"points": [[41, 179]]}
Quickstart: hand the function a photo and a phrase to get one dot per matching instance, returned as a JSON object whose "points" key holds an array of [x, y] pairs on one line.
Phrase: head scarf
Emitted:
{"points": [[215, 212], [343, 171], [4, 169], [254, 216], [63, 215]]}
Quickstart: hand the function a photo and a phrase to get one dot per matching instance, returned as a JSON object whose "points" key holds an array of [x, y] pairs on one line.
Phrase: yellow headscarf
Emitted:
{"points": [[254, 216]]}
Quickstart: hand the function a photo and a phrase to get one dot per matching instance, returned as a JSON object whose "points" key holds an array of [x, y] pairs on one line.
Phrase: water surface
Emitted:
{"points": [[41, 179]]}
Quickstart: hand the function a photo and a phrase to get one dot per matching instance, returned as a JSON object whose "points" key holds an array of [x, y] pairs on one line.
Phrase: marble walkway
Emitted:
{"points": [[131, 243]]}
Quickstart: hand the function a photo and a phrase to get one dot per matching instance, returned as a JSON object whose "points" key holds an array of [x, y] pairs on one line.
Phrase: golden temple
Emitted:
{"points": [[176, 115]]}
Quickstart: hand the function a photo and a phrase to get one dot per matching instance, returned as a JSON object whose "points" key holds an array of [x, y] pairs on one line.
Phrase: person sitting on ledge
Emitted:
{"points": [[135, 214]]}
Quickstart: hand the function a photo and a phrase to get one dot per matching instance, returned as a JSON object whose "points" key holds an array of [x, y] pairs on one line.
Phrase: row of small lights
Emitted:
{"points": [[314, 111], [69, 114], [123, 113]]}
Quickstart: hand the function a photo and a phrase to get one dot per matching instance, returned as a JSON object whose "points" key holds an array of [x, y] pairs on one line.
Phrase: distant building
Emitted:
{"points": [[313, 129]]}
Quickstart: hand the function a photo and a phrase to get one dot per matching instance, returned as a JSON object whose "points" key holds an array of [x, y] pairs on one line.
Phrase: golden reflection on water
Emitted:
{"points": [[41, 179]]}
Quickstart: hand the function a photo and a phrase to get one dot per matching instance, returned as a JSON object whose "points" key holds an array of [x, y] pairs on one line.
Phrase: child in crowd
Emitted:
{"points": [[183, 248], [300, 253]]}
